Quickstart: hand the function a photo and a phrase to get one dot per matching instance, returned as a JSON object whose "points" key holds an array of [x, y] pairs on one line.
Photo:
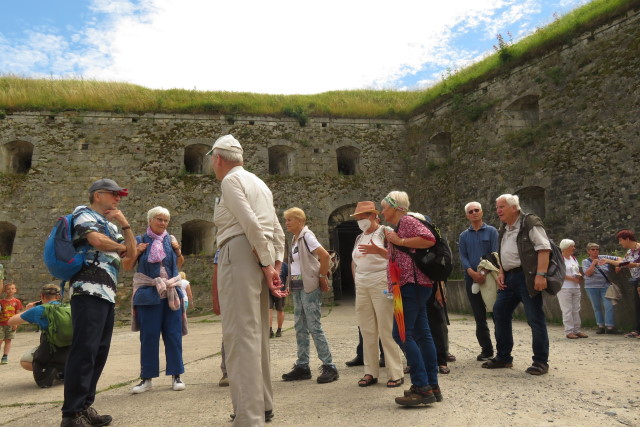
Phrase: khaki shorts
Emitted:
{"points": [[28, 355], [7, 333]]}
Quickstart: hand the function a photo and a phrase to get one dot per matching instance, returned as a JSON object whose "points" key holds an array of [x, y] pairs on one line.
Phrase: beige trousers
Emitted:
{"points": [[374, 313], [244, 302]]}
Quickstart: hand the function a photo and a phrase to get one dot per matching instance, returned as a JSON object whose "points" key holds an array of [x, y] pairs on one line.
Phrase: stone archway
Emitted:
{"points": [[343, 231]]}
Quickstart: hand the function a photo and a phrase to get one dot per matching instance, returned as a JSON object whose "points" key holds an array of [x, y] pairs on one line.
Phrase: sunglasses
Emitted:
{"points": [[471, 211], [113, 193]]}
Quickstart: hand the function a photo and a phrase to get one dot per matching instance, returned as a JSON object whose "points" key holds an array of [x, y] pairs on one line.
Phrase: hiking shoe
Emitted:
{"points": [[144, 385], [496, 363], [435, 389], [271, 334], [537, 368], [298, 373], [356, 361], [485, 355], [224, 381], [177, 384], [96, 419], [329, 374], [4, 360], [77, 420], [613, 331], [278, 333], [417, 396], [599, 331]]}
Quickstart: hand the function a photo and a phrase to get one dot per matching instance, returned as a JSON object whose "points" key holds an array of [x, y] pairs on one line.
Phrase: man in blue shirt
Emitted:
{"points": [[46, 362], [477, 240]]}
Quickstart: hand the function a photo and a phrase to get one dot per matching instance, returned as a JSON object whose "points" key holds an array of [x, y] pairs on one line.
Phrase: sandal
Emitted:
{"points": [[444, 369], [395, 383], [632, 334], [367, 380], [537, 368], [496, 363], [451, 357]]}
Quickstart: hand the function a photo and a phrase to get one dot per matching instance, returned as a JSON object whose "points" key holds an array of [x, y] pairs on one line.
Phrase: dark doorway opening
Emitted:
{"points": [[343, 237]]}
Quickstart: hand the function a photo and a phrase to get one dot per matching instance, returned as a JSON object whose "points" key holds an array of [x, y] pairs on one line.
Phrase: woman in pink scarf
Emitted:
{"points": [[157, 301]]}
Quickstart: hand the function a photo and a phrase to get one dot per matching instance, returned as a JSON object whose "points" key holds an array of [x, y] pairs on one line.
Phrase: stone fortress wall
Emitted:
{"points": [[562, 131]]}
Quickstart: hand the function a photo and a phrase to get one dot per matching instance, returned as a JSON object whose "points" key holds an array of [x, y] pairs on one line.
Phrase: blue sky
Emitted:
{"points": [[283, 46]]}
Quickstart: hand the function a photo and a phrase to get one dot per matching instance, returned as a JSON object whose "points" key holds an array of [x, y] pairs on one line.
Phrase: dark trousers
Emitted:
{"points": [[47, 363], [635, 283], [479, 310], [439, 331], [92, 319], [359, 348], [507, 300]]}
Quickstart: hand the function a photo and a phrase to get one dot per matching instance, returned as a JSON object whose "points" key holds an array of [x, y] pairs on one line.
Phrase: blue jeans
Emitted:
{"points": [[596, 296], [507, 300], [156, 320], [306, 314], [419, 347]]}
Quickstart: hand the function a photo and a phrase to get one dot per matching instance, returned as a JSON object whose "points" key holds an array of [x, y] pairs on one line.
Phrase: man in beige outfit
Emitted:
{"points": [[251, 244]]}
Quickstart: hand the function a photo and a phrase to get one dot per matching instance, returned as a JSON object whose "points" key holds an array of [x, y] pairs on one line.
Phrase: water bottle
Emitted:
{"points": [[388, 294]]}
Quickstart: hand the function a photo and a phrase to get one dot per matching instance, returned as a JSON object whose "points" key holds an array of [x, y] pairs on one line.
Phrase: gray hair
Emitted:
{"points": [[511, 199], [566, 243], [468, 205], [399, 198], [227, 155], [158, 210]]}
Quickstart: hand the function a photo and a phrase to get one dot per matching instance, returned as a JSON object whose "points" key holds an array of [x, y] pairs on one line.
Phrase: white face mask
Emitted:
{"points": [[364, 224]]}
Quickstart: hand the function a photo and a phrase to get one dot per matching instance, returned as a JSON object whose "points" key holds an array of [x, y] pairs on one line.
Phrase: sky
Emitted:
{"points": [[275, 47]]}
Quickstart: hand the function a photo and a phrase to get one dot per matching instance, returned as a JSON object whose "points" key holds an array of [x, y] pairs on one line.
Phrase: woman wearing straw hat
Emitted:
{"points": [[374, 311]]}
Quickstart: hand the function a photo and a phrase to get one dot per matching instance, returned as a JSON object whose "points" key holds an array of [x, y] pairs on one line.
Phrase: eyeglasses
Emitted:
{"points": [[594, 249], [471, 211], [113, 193], [159, 219]]}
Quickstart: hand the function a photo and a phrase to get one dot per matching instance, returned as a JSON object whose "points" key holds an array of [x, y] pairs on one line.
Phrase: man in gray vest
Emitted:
{"points": [[251, 244], [524, 257]]}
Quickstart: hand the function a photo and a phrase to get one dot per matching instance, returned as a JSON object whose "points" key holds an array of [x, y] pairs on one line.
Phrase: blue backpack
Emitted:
{"points": [[60, 256]]}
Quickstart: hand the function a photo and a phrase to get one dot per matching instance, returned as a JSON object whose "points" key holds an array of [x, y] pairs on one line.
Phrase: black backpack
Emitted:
{"points": [[435, 261]]}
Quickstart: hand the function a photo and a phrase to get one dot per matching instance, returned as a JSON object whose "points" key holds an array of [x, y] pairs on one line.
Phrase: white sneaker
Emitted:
{"points": [[178, 385], [144, 385]]}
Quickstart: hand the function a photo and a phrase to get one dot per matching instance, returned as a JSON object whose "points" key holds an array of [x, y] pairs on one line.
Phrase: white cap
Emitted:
{"points": [[227, 142]]}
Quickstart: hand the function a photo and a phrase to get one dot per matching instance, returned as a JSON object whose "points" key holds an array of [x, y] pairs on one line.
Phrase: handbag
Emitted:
{"points": [[613, 291]]}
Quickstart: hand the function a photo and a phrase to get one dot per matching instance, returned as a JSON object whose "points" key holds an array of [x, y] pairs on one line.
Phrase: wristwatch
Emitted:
{"points": [[540, 273], [322, 276]]}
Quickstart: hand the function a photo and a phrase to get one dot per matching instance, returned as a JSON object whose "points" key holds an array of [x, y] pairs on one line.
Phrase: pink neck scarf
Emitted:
{"points": [[156, 253]]}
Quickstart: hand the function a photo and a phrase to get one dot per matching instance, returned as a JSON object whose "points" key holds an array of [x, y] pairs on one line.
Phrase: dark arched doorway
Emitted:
{"points": [[343, 231]]}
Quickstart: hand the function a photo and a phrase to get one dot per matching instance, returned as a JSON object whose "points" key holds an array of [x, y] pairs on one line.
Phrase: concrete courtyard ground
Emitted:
{"points": [[594, 381]]}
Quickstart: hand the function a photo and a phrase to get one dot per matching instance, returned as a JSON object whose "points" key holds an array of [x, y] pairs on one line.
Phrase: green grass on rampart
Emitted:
{"points": [[24, 94]]}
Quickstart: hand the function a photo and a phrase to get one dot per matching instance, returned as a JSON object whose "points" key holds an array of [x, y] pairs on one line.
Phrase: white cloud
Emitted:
{"points": [[265, 47]]}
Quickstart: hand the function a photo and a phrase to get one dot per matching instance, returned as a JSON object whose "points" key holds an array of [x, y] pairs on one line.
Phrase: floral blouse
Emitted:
{"points": [[633, 255], [408, 227]]}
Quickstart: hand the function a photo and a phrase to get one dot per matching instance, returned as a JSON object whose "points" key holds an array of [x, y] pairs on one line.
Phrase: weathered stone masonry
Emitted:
{"points": [[562, 131]]}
